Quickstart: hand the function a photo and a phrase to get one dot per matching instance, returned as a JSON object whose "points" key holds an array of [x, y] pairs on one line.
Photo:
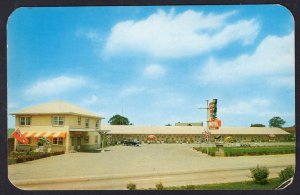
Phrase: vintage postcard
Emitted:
{"points": [[151, 97]]}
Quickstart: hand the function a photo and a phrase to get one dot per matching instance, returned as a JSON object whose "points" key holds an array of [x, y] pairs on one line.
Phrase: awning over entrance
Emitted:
{"points": [[48, 134]]}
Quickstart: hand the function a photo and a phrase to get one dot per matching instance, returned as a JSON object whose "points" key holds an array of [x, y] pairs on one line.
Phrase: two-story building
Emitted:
{"points": [[67, 127], [64, 126]]}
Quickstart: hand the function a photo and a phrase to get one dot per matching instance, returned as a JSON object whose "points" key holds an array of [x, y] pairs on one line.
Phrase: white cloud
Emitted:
{"points": [[273, 57], [132, 90], [91, 101], [283, 81], [154, 71], [284, 115], [55, 86], [93, 35], [245, 107], [90, 34], [169, 100], [167, 35], [12, 105]]}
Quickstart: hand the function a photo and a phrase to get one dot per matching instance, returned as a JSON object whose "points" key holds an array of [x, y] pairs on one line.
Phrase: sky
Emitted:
{"points": [[156, 65]]}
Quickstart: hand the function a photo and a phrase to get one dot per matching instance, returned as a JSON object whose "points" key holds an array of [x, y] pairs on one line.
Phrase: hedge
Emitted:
{"points": [[29, 156], [250, 151], [239, 151], [207, 150]]}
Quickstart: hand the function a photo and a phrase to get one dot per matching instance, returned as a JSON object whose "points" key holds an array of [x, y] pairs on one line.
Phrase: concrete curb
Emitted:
{"points": [[122, 176]]}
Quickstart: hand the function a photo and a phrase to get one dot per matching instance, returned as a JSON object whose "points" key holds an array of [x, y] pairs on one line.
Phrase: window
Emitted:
{"points": [[25, 120], [86, 122], [58, 121], [58, 141], [96, 139], [86, 139], [97, 124], [79, 120], [54, 140]]}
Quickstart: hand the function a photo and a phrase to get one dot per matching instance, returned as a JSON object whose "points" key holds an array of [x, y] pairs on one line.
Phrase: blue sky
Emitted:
{"points": [[158, 64]]}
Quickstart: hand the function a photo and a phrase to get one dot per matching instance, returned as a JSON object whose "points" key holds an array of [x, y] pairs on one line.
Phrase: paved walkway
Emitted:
{"points": [[147, 164]]}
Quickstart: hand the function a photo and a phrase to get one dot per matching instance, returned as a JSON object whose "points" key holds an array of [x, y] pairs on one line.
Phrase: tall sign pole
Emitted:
{"points": [[207, 120]]}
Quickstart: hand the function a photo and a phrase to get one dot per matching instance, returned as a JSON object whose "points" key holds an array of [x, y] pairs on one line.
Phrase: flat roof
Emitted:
{"points": [[191, 130]]}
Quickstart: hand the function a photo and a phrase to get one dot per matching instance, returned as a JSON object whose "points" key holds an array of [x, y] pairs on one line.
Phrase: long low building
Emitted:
{"points": [[190, 134], [61, 126]]}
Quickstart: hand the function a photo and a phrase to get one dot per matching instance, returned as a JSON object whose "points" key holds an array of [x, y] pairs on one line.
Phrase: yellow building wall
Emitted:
{"points": [[73, 122], [42, 123]]}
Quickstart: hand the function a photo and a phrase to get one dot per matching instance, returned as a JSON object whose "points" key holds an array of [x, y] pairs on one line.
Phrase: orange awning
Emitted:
{"points": [[28, 133], [40, 134], [50, 134], [33, 134], [62, 134]]}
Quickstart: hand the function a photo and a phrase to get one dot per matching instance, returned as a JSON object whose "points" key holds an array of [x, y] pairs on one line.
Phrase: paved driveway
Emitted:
{"points": [[148, 159]]}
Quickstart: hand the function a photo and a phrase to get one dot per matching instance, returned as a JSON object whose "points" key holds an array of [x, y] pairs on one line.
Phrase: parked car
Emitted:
{"points": [[131, 143]]}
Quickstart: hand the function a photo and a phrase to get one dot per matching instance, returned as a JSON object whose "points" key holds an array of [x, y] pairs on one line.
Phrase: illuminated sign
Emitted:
{"points": [[213, 109], [18, 136], [214, 122]]}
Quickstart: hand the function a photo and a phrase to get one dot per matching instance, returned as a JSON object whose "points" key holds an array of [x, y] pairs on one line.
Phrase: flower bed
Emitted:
{"points": [[19, 157]]}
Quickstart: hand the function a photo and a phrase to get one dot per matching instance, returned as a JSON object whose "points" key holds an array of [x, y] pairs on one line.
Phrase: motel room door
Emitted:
{"points": [[78, 143]]}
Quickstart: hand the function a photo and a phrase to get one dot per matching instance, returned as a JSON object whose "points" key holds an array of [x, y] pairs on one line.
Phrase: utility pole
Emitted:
{"points": [[207, 112]]}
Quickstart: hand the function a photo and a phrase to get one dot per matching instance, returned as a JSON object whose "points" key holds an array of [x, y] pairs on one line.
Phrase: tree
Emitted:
{"points": [[257, 125], [276, 121], [168, 124], [119, 120]]}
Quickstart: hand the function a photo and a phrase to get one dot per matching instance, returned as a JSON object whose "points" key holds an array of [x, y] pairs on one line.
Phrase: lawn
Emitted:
{"points": [[240, 151], [249, 151], [210, 150], [244, 185]]}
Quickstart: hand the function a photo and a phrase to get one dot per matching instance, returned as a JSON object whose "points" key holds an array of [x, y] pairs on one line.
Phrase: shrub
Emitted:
{"points": [[190, 187], [20, 159], [212, 152], [131, 186], [159, 186], [11, 161], [58, 153], [286, 173], [228, 139], [260, 174]]}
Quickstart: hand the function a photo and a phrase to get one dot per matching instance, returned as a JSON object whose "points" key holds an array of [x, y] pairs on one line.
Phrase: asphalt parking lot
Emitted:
{"points": [[148, 159]]}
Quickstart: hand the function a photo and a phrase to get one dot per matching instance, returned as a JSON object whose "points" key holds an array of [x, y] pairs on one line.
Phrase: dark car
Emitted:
{"points": [[131, 143]]}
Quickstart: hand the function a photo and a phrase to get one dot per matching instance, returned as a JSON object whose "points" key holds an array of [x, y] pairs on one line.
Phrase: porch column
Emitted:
{"points": [[15, 144], [67, 141]]}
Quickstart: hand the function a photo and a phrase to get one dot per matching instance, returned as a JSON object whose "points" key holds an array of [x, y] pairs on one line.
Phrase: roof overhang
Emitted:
{"points": [[60, 113], [82, 130], [102, 131]]}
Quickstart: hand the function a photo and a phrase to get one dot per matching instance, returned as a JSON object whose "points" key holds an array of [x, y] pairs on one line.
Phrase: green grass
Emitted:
{"points": [[211, 150], [249, 151], [240, 151], [244, 185]]}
